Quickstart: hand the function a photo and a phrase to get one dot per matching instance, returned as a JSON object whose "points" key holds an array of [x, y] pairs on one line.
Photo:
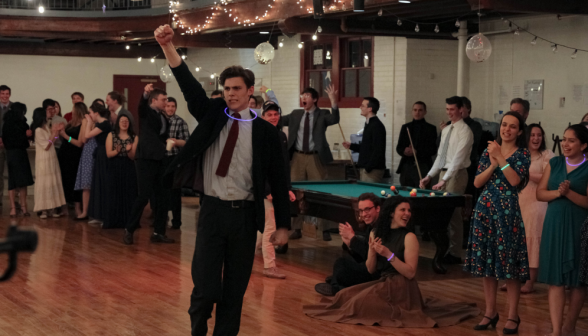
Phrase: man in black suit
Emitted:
{"points": [[308, 146], [372, 150], [150, 166], [424, 138], [229, 158]]}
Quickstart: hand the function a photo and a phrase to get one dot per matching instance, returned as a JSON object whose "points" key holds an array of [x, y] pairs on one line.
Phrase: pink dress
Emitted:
{"points": [[533, 211]]}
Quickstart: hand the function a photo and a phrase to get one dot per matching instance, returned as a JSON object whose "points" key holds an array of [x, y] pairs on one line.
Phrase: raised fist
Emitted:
{"points": [[148, 88], [164, 35]]}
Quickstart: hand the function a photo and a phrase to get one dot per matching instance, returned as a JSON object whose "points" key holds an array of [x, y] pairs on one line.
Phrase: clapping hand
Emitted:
{"points": [[129, 147], [381, 249], [346, 232], [494, 149], [164, 35], [564, 188]]}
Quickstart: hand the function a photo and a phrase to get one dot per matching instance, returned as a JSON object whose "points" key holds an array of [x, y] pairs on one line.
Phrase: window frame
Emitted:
{"points": [[339, 58]]}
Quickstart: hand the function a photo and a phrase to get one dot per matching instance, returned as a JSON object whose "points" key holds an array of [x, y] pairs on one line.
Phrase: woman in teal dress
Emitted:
{"points": [[497, 249], [564, 185]]}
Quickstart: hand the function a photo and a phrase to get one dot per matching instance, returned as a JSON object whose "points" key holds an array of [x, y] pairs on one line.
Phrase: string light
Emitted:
{"points": [[41, 9], [534, 42], [417, 29], [457, 23], [128, 47], [554, 48], [517, 32], [380, 12], [212, 76], [183, 57], [399, 22], [300, 45], [153, 60], [314, 37], [575, 54], [281, 44], [139, 59], [436, 28], [197, 69]]}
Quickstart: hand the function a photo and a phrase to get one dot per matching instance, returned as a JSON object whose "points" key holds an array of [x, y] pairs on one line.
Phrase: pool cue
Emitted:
{"points": [[414, 154], [349, 151]]}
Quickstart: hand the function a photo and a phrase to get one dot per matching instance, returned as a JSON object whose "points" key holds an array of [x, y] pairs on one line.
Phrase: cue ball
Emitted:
{"points": [[383, 192], [432, 194]]}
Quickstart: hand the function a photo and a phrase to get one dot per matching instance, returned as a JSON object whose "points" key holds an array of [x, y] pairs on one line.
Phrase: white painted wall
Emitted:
{"points": [[35, 78], [515, 60]]}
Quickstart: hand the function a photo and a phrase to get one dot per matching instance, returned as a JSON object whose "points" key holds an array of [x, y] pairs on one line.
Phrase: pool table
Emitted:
{"points": [[337, 201]]}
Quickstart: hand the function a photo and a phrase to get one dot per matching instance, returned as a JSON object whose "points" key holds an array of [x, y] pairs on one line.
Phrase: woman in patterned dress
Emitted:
{"points": [[564, 185], [496, 248], [121, 145]]}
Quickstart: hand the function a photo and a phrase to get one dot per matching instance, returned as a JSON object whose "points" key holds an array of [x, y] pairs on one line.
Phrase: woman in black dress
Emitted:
{"points": [[69, 156], [121, 145], [99, 191], [15, 133]]}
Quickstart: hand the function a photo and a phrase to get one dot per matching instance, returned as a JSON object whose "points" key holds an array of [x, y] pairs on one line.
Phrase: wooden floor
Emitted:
{"points": [[83, 281]]}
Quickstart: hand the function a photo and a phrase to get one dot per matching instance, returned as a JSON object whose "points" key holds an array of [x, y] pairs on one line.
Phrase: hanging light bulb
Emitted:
{"points": [[517, 32], [534, 42], [554, 48], [457, 24], [197, 69], [319, 29], [212, 76], [153, 60], [399, 22], [281, 44], [183, 57], [300, 45], [41, 9], [436, 28], [139, 59], [417, 29], [314, 37], [380, 12], [575, 54], [128, 47]]}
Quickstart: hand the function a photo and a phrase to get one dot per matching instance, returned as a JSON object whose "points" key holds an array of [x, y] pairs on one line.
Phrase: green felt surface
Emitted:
{"points": [[346, 188]]}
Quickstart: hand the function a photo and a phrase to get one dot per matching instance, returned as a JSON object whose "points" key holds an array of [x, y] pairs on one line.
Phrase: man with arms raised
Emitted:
{"points": [[228, 159]]}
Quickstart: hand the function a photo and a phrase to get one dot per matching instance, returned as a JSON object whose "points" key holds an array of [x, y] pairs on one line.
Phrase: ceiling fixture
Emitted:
{"points": [[264, 32], [153, 60], [197, 69], [41, 9], [128, 47], [404, 1]]}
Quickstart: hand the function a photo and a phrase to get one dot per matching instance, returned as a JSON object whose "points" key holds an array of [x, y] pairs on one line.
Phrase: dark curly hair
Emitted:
{"points": [[387, 211]]}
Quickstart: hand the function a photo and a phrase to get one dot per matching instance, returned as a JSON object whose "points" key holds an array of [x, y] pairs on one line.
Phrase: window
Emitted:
{"points": [[347, 61]]}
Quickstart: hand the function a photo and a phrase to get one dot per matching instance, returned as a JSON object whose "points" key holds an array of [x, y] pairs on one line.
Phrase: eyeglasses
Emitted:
{"points": [[305, 95], [365, 210]]}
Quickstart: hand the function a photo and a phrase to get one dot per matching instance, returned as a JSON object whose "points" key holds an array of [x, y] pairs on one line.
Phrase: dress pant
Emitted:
{"points": [[409, 174], [263, 239], [374, 176], [221, 267], [175, 199], [348, 272], [150, 183], [456, 185], [2, 164], [308, 167]]}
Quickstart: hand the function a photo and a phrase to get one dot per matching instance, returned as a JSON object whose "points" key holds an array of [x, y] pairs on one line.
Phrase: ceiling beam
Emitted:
{"points": [[77, 50], [579, 7], [120, 26]]}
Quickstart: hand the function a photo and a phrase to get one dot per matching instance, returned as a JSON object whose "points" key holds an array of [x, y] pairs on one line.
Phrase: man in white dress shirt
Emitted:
{"points": [[453, 159]]}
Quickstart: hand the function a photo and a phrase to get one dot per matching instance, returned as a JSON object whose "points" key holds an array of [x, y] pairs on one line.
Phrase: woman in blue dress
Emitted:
{"points": [[497, 248]]}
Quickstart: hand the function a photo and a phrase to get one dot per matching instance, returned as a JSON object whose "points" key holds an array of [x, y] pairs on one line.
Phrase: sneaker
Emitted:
{"points": [[273, 273], [94, 221], [43, 215], [157, 238]]}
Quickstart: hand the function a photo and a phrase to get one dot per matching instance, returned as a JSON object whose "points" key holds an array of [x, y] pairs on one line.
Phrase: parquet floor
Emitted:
{"points": [[83, 281]]}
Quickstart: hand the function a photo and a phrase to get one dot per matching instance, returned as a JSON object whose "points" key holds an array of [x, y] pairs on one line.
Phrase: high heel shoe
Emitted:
{"points": [[508, 331], [493, 322]]}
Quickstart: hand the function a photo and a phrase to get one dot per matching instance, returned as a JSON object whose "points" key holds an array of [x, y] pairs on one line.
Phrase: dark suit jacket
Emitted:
{"points": [[322, 120], [372, 150], [268, 162], [425, 147], [151, 144]]}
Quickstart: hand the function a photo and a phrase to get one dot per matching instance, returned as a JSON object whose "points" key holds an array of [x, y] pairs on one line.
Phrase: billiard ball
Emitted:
{"points": [[393, 188], [413, 193], [413, 190], [445, 194], [383, 192], [432, 194]]}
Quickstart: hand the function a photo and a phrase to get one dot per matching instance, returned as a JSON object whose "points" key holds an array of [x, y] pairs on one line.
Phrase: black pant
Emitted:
{"points": [[221, 267], [150, 182], [176, 207], [347, 272]]}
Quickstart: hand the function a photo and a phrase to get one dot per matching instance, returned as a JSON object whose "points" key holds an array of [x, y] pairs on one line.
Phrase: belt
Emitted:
{"points": [[443, 169], [306, 153], [239, 204]]}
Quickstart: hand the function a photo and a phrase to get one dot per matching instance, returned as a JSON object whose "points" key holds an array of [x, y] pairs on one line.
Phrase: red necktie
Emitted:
{"points": [[225, 160], [306, 132]]}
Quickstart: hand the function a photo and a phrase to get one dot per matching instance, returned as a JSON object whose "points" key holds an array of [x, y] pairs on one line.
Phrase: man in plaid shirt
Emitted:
{"points": [[179, 134]]}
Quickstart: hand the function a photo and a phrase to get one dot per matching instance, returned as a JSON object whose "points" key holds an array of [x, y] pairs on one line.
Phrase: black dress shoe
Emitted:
{"points": [[326, 236], [157, 238], [452, 260], [296, 234], [493, 322], [513, 331], [324, 289], [281, 249], [175, 227], [329, 279], [81, 218], [128, 238]]}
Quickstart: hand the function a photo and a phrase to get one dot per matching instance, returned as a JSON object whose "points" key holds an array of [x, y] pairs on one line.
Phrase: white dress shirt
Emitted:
{"points": [[300, 136], [458, 152], [238, 184]]}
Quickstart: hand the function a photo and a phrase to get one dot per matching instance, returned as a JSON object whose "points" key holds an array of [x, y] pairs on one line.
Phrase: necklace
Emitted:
{"points": [[228, 115], [576, 165]]}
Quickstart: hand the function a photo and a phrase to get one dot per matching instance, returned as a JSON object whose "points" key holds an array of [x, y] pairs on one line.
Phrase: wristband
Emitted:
{"points": [[50, 141], [267, 90], [392, 256], [507, 165], [69, 139]]}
